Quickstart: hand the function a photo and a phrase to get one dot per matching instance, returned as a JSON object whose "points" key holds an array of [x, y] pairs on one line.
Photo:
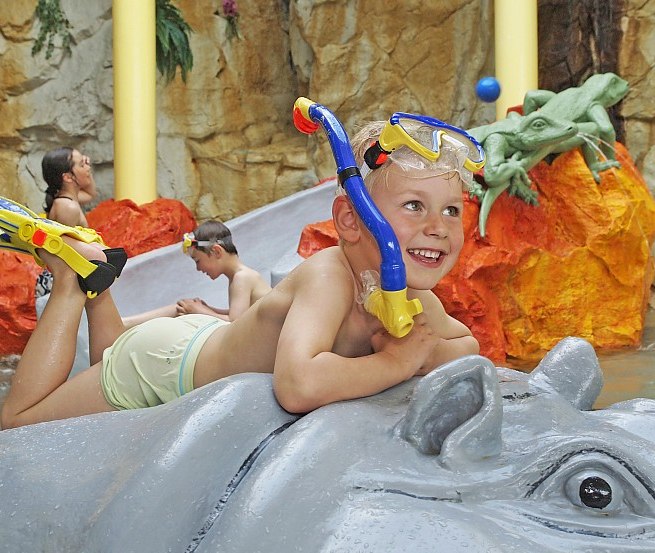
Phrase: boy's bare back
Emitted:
{"points": [[314, 304], [245, 288]]}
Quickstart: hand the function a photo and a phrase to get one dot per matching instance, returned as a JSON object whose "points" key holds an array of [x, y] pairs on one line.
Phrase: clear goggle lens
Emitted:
{"points": [[427, 137]]}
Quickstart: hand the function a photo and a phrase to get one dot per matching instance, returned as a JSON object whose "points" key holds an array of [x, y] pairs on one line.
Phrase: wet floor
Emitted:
{"points": [[627, 374]]}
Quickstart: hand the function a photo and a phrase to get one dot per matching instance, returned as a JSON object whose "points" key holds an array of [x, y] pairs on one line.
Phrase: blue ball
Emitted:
{"points": [[487, 89]]}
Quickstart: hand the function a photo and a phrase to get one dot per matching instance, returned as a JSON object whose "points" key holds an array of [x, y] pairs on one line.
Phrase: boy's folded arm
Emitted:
{"points": [[308, 374], [448, 349], [329, 377], [455, 338]]}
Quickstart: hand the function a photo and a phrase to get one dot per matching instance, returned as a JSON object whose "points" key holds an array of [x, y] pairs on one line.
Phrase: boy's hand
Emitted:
{"points": [[188, 306], [410, 352]]}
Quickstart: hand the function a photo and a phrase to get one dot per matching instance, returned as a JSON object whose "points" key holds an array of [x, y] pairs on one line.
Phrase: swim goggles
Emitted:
{"points": [[189, 241], [401, 130]]}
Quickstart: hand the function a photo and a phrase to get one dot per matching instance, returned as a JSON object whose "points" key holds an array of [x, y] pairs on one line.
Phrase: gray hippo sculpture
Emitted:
{"points": [[471, 458]]}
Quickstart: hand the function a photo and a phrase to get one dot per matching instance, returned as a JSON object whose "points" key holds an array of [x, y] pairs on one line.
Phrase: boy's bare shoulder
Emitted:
{"points": [[436, 314], [432, 305], [426, 296], [327, 268], [321, 286], [329, 259], [247, 275]]}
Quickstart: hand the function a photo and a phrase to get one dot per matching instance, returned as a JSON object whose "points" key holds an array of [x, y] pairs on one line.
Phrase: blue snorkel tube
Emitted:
{"points": [[389, 304]]}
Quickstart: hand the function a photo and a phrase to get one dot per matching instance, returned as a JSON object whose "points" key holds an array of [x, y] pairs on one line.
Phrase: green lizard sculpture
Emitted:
{"points": [[551, 123], [586, 106], [513, 146]]}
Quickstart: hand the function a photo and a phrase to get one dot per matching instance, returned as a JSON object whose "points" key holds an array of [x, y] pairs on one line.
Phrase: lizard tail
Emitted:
{"points": [[490, 196]]}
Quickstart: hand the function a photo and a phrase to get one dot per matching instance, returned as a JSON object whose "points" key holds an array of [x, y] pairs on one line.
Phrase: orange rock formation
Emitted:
{"points": [[141, 228]]}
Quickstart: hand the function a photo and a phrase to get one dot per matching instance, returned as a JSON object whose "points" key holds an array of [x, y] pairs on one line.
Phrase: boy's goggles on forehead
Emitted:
{"points": [[190, 241], [425, 136]]}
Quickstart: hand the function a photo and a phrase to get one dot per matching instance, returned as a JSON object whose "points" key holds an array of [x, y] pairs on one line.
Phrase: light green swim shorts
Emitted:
{"points": [[153, 362]]}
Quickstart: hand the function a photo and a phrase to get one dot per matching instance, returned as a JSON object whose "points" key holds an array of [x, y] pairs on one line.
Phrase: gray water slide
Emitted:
{"points": [[267, 240]]}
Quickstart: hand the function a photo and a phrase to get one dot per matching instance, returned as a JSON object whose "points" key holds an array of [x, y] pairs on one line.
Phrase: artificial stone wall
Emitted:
{"points": [[637, 65], [578, 39], [226, 143]]}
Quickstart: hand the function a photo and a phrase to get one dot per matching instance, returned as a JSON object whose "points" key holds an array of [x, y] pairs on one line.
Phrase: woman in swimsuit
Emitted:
{"points": [[69, 177]]}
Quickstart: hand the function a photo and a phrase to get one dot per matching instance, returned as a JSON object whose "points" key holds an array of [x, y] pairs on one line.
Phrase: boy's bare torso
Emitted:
{"points": [[250, 343], [251, 279]]}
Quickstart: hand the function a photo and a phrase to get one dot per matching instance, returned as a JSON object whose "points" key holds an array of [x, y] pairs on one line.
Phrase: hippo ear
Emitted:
{"points": [[456, 412], [571, 369]]}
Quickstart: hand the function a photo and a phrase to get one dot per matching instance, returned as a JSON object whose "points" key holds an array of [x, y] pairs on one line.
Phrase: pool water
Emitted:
{"points": [[630, 373]]}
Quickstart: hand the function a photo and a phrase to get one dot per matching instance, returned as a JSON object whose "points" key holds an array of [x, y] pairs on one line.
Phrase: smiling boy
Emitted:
{"points": [[311, 330]]}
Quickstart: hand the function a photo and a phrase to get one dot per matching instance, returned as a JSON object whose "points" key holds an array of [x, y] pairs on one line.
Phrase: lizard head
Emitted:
{"points": [[608, 88], [537, 130]]}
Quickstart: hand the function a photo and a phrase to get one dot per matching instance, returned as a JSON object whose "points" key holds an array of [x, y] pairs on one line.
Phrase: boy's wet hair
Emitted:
{"points": [[215, 231], [450, 162]]}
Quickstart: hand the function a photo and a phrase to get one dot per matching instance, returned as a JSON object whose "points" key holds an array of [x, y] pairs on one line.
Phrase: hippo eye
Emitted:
{"points": [[597, 482], [595, 490]]}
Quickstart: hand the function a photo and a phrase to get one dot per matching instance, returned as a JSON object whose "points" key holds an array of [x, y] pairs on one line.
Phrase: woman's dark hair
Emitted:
{"points": [[215, 231], [53, 166]]}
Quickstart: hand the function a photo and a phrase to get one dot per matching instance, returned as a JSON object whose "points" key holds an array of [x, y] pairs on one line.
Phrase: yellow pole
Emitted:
{"points": [[517, 58], [135, 124]]}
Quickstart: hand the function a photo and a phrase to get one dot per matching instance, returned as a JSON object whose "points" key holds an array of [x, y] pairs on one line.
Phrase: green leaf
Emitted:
{"points": [[173, 46], [52, 24]]}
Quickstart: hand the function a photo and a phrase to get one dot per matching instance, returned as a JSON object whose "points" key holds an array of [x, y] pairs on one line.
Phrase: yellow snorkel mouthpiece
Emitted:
{"points": [[391, 307], [394, 310]]}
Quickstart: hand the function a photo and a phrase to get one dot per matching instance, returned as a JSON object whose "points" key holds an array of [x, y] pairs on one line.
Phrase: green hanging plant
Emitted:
{"points": [[172, 31], [53, 23], [173, 48]]}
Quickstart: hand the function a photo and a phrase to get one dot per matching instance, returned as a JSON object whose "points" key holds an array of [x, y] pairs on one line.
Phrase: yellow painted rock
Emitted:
{"points": [[578, 264]]}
